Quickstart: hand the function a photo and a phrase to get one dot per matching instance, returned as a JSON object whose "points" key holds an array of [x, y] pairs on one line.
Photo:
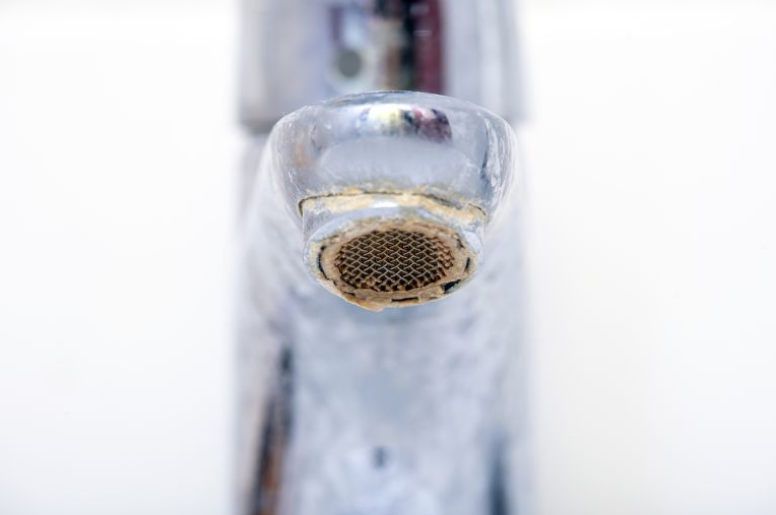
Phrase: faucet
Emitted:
{"points": [[379, 286]]}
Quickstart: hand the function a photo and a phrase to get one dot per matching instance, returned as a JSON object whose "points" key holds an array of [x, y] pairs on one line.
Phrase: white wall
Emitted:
{"points": [[652, 162], [117, 157], [650, 154]]}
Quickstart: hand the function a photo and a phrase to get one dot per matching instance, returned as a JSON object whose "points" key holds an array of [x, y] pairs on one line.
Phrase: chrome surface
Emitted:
{"points": [[348, 408], [423, 144], [297, 52], [400, 411]]}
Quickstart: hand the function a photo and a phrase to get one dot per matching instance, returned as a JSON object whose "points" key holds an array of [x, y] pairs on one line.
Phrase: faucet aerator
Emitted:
{"points": [[410, 251]]}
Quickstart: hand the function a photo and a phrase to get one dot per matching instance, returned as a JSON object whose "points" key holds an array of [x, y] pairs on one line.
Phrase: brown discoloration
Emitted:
{"points": [[394, 261], [460, 212]]}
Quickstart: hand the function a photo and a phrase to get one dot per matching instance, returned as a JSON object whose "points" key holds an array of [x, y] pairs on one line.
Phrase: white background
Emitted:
{"points": [[651, 159]]}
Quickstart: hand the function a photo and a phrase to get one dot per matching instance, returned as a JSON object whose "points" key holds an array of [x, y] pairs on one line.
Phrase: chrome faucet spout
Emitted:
{"points": [[379, 281], [393, 192], [380, 412]]}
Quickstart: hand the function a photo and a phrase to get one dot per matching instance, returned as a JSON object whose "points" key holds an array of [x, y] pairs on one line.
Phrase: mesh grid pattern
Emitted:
{"points": [[393, 261]]}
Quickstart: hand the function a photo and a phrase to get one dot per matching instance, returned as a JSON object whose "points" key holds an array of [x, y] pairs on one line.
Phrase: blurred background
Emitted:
{"points": [[650, 154]]}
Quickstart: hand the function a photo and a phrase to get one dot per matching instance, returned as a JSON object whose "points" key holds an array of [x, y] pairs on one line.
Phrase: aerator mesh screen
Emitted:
{"points": [[393, 261]]}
